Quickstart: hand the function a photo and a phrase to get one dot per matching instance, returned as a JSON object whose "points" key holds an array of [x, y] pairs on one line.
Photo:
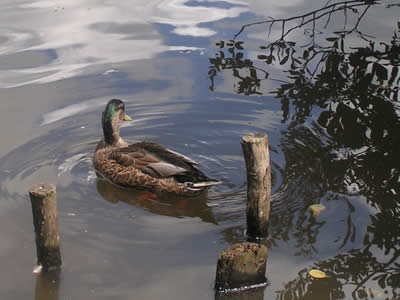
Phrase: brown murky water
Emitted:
{"points": [[333, 140]]}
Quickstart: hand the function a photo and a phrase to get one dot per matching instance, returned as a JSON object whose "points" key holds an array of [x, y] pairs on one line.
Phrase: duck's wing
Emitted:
{"points": [[154, 160]]}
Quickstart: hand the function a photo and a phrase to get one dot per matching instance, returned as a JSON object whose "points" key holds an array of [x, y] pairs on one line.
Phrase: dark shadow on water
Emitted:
{"points": [[47, 285], [161, 204]]}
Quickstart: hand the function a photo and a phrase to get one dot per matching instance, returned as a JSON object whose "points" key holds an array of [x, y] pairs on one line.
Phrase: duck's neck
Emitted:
{"points": [[111, 128]]}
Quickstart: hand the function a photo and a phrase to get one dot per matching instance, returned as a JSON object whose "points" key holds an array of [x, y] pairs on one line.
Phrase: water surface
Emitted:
{"points": [[172, 63]]}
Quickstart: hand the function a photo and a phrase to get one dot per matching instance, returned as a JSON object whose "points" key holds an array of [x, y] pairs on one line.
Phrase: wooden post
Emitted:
{"points": [[256, 156], [44, 210], [241, 266]]}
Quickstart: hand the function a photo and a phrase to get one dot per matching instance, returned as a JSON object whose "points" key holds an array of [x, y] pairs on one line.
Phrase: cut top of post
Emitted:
{"points": [[252, 138], [42, 189], [255, 150]]}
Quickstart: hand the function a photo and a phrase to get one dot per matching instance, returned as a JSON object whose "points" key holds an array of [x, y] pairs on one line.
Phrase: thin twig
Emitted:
{"points": [[330, 8], [313, 19], [329, 18], [359, 19], [270, 28]]}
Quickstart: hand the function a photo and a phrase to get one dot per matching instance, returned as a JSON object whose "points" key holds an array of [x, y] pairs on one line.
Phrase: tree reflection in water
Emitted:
{"points": [[342, 108]]}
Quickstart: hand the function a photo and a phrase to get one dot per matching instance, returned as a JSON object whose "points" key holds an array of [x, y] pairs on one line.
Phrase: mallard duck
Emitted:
{"points": [[144, 164]]}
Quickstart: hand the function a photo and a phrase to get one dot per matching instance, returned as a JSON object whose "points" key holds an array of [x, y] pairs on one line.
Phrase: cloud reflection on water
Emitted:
{"points": [[72, 37]]}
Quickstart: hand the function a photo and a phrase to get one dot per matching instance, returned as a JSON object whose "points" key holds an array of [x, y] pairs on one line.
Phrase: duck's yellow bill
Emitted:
{"points": [[127, 118]]}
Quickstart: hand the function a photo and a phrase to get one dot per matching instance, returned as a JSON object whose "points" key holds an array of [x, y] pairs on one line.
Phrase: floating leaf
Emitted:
{"points": [[317, 274], [316, 209]]}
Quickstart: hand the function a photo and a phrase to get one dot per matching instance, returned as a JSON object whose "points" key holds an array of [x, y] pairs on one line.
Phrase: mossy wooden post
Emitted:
{"points": [[44, 210], [242, 265], [256, 156]]}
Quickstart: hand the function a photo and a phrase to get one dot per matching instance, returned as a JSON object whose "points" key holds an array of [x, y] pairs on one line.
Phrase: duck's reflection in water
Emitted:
{"points": [[161, 204]]}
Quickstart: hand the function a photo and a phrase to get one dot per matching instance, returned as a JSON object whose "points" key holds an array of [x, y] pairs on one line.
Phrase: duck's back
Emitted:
{"points": [[150, 165]]}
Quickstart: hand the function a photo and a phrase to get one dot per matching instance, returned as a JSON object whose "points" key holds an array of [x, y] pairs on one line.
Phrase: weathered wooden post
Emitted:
{"points": [[241, 266], [44, 210], [256, 156]]}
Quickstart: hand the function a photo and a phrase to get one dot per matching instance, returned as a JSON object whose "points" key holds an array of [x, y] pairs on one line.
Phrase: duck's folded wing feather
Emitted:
{"points": [[163, 170], [152, 159], [133, 156]]}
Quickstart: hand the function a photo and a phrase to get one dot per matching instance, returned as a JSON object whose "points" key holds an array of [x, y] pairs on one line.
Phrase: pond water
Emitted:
{"points": [[333, 140]]}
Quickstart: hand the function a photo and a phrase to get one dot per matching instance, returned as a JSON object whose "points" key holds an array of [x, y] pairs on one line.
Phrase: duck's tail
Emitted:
{"points": [[202, 185]]}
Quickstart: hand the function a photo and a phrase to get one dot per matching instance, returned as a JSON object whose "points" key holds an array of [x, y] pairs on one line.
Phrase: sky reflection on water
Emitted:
{"points": [[67, 38]]}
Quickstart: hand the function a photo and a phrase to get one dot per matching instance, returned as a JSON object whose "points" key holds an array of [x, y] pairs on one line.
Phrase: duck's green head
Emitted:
{"points": [[113, 115]]}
